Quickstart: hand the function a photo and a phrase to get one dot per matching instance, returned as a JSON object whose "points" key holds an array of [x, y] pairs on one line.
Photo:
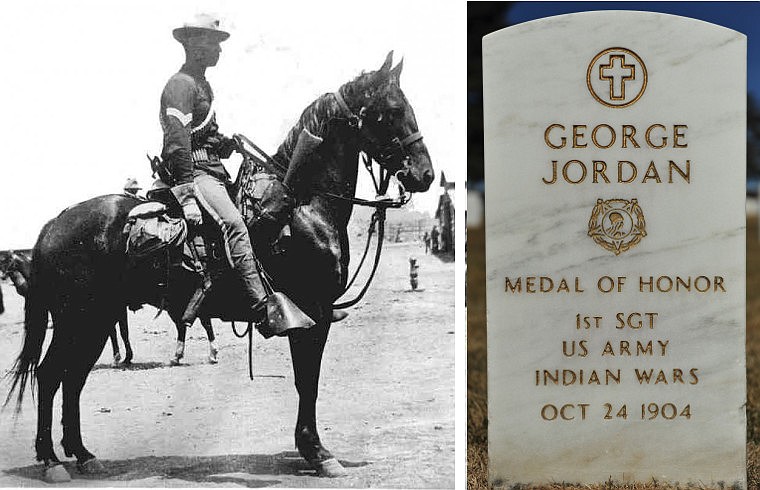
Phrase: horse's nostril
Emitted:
{"points": [[427, 176]]}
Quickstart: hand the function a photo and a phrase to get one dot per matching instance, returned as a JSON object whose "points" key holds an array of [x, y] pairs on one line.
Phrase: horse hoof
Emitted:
{"points": [[116, 359], [213, 354], [179, 353], [338, 315], [56, 474], [92, 466], [331, 468], [212, 359]]}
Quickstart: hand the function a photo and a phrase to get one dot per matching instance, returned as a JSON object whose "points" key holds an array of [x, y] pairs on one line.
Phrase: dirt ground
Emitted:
{"points": [[477, 393], [386, 404]]}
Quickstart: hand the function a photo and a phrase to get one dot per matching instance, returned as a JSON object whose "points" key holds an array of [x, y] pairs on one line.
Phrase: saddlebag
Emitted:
{"points": [[269, 206], [149, 229]]}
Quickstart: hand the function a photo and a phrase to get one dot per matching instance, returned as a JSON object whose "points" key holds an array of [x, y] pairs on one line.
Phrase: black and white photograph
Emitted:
{"points": [[228, 244]]}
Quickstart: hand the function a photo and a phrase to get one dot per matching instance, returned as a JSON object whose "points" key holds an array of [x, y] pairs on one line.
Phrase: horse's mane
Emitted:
{"points": [[316, 117]]}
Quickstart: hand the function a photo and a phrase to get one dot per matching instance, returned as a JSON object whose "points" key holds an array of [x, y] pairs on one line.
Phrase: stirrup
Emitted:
{"points": [[282, 315]]}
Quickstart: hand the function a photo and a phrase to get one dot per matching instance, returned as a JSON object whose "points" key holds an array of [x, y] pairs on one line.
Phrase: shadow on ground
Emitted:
{"points": [[229, 469], [136, 366]]}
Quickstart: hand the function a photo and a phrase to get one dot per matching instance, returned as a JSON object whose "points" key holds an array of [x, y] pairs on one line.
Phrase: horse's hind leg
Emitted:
{"points": [[306, 348], [88, 350], [213, 351], [49, 375]]}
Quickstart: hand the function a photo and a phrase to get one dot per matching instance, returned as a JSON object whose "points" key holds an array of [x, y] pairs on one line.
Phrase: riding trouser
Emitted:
{"points": [[211, 193]]}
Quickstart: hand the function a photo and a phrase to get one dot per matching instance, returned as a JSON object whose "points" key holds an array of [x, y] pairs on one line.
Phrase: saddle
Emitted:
{"points": [[183, 263]]}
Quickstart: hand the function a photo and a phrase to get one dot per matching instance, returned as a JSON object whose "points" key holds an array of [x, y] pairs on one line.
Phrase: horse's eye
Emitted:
{"points": [[396, 112]]}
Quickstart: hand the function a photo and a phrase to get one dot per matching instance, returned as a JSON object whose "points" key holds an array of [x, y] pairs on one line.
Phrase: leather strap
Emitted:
{"points": [[416, 136], [344, 107]]}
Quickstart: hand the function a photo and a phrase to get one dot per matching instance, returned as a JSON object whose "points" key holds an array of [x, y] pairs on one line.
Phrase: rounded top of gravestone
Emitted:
{"points": [[596, 18]]}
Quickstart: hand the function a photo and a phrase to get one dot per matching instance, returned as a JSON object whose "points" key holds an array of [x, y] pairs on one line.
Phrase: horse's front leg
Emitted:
{"points": [[323, 252], [306, 348]]}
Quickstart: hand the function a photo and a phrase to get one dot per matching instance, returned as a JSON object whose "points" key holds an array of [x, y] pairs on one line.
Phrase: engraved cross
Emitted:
{"points": [[617, 72]]}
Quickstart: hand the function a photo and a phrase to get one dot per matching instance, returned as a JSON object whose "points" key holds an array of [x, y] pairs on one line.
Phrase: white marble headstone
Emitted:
{"points": [[615, 241]]}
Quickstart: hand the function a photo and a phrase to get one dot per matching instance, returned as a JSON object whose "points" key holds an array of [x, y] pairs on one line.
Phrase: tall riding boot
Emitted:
{"points": [[275, 313]]}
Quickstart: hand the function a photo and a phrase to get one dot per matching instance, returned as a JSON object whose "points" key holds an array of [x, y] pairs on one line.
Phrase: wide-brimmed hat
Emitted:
{"points": [[201, 25], [132, 184]]}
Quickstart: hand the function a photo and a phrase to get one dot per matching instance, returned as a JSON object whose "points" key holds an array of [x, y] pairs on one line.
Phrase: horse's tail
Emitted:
{"points": [[35, 326]]}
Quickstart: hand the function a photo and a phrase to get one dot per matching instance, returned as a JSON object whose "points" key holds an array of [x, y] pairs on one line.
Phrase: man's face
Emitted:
{"points": [[205, 50]]}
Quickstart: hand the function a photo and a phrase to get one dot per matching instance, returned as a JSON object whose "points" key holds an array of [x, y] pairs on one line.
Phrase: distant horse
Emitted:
{"points": [[213, 350], [80, 272], [17, 267], [179, 352]]}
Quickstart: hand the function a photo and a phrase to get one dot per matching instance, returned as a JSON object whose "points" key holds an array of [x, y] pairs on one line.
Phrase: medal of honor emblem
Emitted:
{"points": [[617, 224]]}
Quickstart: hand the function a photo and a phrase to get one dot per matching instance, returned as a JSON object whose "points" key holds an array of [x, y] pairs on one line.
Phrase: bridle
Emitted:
{"points": [[383, 154]]}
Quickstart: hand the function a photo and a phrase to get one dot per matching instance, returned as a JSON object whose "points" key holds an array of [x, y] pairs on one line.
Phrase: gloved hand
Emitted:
{"points": [[227, 146], [221, 145], [185, 194]]}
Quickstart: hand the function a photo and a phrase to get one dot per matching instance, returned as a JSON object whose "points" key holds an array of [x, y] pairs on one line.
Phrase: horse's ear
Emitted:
{"points": [[396, 72], [387, 64], [382, 75]]}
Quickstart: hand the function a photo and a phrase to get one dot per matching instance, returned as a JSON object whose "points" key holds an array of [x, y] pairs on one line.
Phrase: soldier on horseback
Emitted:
{"points": [[192, 151]]}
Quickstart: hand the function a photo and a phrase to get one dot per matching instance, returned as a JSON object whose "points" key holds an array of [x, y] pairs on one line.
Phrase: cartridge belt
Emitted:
{"points": [[203, 155]]}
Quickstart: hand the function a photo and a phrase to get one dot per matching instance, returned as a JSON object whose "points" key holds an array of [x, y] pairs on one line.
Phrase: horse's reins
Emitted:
{"points": [[383, 155]]}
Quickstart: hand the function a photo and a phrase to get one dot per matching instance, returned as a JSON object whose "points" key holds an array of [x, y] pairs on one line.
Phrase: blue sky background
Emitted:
{"points": [[739, 16]]}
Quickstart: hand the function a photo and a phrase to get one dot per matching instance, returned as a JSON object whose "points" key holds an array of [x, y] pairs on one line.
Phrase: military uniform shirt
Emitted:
{"points": [[188, 121]]}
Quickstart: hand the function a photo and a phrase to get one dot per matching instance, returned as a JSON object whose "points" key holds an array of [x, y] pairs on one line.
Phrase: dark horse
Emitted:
{"points": [[79, 268]]}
